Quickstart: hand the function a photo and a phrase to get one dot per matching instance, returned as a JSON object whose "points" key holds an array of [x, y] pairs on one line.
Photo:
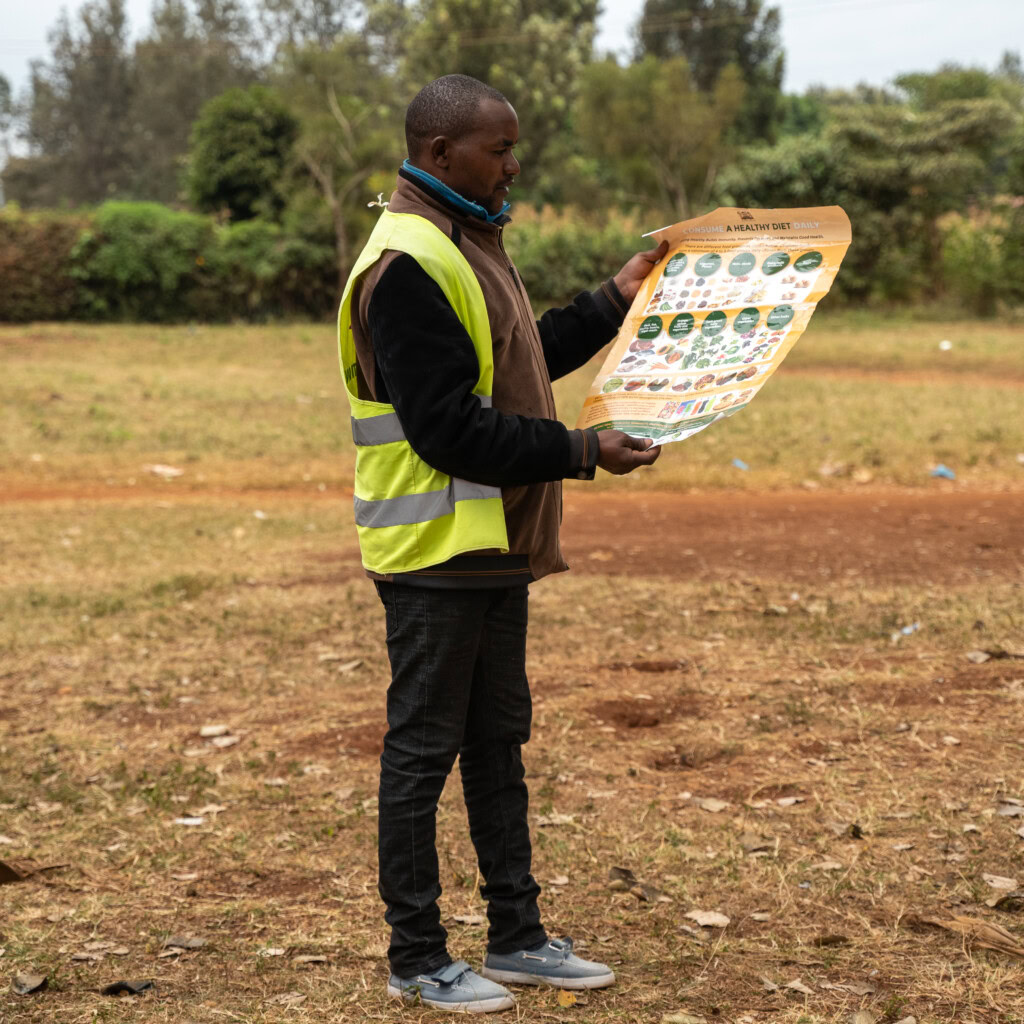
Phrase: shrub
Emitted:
{"points": [[972, 261], [265, 272], [36, 264], [559, 255], [143, 261]]}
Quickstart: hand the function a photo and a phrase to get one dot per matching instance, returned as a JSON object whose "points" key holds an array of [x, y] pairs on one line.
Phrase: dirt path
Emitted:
{"points": [[877, 535], [881, 537]]}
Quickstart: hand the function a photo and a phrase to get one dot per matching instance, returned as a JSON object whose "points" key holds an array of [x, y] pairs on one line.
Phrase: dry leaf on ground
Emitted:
{"points": [[1009, 901], [999, 881], [977, 933], [682, 1017], [128, 988], [26, 984], [184, 942], [827, 865], [554, 818], [708, 918], [797, 985], [712, 804], [621, 879], [287, 999]]}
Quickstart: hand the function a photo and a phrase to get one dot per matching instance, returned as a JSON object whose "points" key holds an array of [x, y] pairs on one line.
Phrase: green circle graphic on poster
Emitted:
{"points": [[650, 328], [707, 264], [776, 262], [808, 262], [746, 319], [676, 265], [779, 317], [742, 264], [681, 325], [714, 324]]}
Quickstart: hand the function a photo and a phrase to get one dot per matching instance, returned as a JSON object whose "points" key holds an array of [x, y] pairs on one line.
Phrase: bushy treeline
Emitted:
{"points": [[276, 122], [143, 261]]}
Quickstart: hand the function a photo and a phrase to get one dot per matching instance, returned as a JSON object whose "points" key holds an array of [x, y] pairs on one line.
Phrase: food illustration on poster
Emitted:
{"points": [[715, 318]]}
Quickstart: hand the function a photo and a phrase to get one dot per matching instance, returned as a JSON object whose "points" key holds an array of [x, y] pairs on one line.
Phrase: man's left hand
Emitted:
{"points": [[631, 276]]}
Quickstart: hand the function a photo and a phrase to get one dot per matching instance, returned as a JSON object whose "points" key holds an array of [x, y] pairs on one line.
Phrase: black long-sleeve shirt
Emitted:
{"points": [[426, 367]]}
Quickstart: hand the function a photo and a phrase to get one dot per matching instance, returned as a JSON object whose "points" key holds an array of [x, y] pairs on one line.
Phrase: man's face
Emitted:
{"points": [[480, 165]]}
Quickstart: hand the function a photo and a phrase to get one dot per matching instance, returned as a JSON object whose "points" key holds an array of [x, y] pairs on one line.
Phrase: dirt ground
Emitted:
{"points": [[900, 536], [755, 705]]}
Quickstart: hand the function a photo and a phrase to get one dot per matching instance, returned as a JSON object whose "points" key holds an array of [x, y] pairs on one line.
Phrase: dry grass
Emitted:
{"points": [[263, 407], [130, 620], [148, 623]]}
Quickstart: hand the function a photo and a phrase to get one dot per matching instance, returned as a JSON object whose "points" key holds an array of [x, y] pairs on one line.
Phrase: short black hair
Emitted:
{"points": [[446, 106]]}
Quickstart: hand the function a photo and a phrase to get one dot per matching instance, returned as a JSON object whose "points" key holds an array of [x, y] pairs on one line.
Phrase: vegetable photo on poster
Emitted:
{"points": [[715, 318]]}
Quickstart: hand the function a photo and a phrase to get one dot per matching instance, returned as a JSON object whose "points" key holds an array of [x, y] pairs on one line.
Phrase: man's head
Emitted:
{"points": [[462, 132]]}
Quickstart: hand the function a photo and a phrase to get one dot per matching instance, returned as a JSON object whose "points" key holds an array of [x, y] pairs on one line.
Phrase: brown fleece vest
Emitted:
{"points": [[521, 383]]}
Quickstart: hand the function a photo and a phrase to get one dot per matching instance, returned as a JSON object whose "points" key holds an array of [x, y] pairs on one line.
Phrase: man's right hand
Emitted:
{"points": [[621, 453]]}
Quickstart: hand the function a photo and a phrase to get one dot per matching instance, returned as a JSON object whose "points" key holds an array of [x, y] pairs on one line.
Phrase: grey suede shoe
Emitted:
{"points": [[455, 988], [553, 964]]}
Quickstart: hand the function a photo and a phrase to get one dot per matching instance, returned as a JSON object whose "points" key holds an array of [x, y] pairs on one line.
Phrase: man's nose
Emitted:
{"points": [[511, 167]]}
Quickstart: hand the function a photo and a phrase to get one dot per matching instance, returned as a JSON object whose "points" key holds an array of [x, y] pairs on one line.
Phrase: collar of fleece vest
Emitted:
{"points": [[453, 198]]}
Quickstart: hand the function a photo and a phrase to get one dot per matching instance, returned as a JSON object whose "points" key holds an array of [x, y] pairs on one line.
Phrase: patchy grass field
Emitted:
{"points": [[726, 703], [263, 407]]}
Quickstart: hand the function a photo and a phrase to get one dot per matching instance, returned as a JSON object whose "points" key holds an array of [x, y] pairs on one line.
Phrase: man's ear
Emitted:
{"points": [[439, 152]]}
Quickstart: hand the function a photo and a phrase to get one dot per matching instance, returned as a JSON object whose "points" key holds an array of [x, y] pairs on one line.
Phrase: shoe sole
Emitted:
{"points": [[521, 978], [472, 1006]]}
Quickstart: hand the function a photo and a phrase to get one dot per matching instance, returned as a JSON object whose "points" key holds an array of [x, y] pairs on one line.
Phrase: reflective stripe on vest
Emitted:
{"points": [[420, 508], [386, 429]]}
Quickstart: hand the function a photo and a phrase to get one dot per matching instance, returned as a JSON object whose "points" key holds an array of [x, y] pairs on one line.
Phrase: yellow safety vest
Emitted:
{"points": [[408, 514]]}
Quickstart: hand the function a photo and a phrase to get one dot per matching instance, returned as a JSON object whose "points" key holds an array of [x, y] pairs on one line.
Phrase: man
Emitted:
{"points": [[457, 506]]}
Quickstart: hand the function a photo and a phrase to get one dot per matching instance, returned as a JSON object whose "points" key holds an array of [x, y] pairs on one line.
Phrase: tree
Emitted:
{"points": [[241, 144], [530, 50], [894, 171], [6, 107], [181, 63], [349, 130], [78, 120], [711, 35], [660, 135], [301, 23]]}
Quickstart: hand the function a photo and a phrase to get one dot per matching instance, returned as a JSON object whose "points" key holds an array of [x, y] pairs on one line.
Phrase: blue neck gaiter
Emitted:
{"points": [[453, 197]]}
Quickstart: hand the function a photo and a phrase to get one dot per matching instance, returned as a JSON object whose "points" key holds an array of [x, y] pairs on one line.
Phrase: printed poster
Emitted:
{"points": [[715, 318]]}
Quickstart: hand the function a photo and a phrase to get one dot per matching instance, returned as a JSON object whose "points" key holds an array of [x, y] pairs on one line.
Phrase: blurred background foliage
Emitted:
{"points": [[220, 166]]}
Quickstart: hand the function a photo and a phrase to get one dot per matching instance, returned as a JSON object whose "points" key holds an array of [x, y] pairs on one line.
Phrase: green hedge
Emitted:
{"points": [[558, 256], [147, 262], [36, 265]]}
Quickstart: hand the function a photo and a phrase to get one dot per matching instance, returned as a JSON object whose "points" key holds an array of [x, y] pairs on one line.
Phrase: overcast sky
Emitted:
{"points": [[834, 42]]}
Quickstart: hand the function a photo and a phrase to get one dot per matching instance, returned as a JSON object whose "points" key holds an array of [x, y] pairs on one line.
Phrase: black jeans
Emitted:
{"points": [[458, 688]]}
